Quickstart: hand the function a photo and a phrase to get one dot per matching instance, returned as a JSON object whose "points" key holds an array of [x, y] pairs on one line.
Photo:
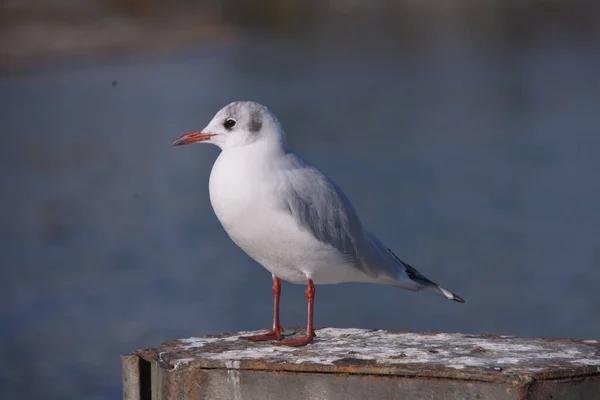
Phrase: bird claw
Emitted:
{"points": [[272, 335]]}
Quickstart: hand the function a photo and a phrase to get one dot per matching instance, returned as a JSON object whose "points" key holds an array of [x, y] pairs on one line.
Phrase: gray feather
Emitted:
{"points": [[255, 123], [320, 207]]}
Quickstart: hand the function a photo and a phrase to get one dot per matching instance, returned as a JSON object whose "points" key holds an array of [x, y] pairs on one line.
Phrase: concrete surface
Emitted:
{"points": [[359, 364]]}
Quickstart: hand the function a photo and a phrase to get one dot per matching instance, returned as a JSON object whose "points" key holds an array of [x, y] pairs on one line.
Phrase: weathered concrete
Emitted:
{"points": [[358, 364], [137, 383]]}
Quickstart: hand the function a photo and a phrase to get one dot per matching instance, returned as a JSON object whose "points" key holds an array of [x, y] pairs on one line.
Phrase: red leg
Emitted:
{"points": [[310, 331], [275, 333]]}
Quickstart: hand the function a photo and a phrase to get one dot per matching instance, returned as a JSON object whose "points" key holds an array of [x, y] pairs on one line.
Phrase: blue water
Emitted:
{"points": [[478, 167]]}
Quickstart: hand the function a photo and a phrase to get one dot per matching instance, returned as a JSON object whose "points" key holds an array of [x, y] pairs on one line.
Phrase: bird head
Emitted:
{"points": [[238, 124]]}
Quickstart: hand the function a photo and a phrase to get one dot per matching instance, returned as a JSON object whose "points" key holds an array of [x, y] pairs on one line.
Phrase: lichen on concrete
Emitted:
{"points": [[392, 353]]}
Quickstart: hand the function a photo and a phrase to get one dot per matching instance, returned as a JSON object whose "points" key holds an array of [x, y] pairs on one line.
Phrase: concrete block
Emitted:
{"points": [[366, 364]]}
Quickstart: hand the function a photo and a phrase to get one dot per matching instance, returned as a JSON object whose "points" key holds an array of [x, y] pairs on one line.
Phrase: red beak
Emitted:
{"points": [[193, 138]]}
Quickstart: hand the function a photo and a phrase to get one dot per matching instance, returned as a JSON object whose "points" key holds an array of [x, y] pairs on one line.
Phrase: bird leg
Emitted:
{"points": [[275, 333], [310, 331]]}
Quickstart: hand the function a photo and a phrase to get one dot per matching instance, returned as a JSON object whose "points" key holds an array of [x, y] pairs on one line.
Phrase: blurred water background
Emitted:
{"points": [[466, 133]]}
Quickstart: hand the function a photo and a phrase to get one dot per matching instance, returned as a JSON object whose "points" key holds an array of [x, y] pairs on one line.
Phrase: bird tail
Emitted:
{"points": [[426, 284]]}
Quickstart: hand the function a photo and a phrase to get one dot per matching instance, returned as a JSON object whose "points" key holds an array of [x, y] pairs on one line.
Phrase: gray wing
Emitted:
{"points": [[320, 207]]}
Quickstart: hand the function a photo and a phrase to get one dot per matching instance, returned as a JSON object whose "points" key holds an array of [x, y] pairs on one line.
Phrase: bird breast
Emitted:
{"points": [[235, 192], [242, 196]]}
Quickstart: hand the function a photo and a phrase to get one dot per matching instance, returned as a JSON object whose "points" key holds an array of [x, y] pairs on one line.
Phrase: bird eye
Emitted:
{"points": [[229, 123]]}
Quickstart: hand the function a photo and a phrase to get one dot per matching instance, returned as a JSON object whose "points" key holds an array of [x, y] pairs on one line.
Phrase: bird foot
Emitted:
{"points": [[296, 342], [272, 335]]}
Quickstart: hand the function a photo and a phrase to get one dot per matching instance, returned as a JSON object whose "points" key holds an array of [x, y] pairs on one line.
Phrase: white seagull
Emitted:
{"points": [[289, 217]]}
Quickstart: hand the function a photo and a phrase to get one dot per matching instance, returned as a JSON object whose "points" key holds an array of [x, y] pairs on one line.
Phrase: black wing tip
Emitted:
{"points": [[412, 272], [457, 298], [418, 278]]}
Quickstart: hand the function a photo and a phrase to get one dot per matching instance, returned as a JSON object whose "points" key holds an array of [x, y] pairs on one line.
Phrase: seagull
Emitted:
{"points": [[291, 218]]}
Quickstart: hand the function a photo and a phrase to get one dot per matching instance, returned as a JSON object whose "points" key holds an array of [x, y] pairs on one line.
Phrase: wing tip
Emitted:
{"points": [[451, 296], [419, 279], [458, 299]]}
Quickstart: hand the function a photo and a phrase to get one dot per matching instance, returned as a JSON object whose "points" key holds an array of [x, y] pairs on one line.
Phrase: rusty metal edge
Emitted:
{"points": [[405, 371], [187, 383]]}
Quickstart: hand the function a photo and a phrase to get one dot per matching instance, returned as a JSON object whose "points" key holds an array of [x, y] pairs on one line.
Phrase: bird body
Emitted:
{"points": [[288, 216], [262, 224]]}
